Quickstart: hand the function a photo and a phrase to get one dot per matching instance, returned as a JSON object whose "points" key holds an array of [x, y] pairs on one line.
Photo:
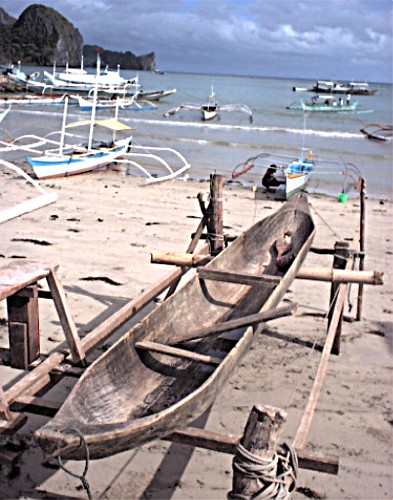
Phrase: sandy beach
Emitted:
{"points": [[101, 232]]}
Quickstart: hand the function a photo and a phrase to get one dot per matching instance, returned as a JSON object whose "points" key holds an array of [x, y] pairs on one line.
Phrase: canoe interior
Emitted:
{"points": [[128, 391]]}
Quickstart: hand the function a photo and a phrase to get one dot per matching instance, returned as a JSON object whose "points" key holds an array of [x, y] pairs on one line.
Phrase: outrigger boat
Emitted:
{"points": [[32, 99], [327, 104], [129, 103], [135, 393], [284, 176], [378, 131], [333, 87], [60, 159], [211, 109], [4, 113]]}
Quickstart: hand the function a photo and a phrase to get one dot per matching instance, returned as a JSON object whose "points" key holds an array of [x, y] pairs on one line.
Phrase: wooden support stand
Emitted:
{"points": [[214, 223], [23, 327], [362, 245], [260, 438], [340, 261]]}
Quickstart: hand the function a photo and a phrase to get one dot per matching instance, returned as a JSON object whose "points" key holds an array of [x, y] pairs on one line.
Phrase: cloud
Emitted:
{"points": [[344, 38]]}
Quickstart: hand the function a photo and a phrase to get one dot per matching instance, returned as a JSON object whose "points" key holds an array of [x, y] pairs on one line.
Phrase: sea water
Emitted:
{"points": [[219, 145]]}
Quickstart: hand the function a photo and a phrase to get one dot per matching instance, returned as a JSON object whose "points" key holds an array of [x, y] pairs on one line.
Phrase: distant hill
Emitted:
{"points": [[42, 36], [127, 60]]}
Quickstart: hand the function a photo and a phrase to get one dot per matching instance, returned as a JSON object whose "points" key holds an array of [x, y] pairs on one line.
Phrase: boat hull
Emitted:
{"points": [[110, 406], [64, 165]]}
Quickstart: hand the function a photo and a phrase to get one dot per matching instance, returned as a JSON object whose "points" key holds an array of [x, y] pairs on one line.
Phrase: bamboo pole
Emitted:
{"points": [[303, 430], [182, 260], [146, 345], [362, 244], [341, 276]]}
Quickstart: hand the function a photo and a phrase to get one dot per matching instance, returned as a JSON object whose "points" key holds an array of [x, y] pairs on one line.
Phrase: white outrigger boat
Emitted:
{"points": [[54, 158], [129, 103], [211, 109], [4, 113], [33, 203], [284, 177]]}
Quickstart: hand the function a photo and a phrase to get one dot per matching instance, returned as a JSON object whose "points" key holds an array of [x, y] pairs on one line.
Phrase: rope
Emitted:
{"points": [[271, 474], [82, 477]]}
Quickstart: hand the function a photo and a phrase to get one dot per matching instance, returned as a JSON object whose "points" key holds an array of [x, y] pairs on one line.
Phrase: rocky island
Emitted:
{"points": [[42, 36]]}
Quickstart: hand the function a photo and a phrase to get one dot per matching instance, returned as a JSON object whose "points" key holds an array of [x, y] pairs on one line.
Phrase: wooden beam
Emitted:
{"points": [[36, 405], [251, 319], [227, 443], [23, 327], [232, 277], [67, 323], [340, 261], [214, 223], [362, 244], [303, 430], [177, 353]]}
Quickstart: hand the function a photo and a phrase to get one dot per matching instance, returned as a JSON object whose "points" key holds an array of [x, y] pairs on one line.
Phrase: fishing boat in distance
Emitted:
{"points": [[211, 108], [283, 176], [325, 104], [336, 87], [182, 367], [382, 132]]}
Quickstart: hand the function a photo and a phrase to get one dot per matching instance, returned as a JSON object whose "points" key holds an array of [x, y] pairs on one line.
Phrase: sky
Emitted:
{"points": [[338, 39]]}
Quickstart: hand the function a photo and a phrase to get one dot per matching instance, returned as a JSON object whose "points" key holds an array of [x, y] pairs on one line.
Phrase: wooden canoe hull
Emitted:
{"points": [[127, 398]]}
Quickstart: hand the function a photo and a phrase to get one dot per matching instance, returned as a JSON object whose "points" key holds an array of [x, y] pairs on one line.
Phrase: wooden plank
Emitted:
{"points": [[69, 328], [176, 352], [231, 277], [18, 274], [5, 412], [303, 430], [227, 443], [37, 405], [362, 245], [251, 319]]}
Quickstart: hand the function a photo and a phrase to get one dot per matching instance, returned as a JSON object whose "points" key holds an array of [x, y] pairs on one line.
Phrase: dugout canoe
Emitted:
{"points": [[129, 396]]}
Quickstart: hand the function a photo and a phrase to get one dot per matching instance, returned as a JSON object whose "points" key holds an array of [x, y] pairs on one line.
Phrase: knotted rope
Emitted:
{"points": [[81, 477], [271, 474]]}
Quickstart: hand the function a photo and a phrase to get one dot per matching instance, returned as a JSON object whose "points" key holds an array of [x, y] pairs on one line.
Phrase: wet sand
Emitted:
{"points": [[101, 232]]}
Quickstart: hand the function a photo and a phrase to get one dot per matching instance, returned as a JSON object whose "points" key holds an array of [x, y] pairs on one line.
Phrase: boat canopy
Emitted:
{"points": [[109, 123]]}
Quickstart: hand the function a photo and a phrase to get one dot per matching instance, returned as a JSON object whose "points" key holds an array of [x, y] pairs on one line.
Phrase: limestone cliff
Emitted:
{"points": [[40, 36], [127, 60]]}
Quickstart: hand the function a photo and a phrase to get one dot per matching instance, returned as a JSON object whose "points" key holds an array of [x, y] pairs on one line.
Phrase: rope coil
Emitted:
{"points": [[271, 474]]}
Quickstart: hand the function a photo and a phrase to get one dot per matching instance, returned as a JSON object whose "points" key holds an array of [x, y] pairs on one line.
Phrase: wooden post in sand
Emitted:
{"points": [[260, 439], [362, 244], [341, 256], [215, 225]]}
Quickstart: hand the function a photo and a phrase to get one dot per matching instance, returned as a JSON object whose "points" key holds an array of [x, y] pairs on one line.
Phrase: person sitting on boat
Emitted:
{"points": [[269, 180]]}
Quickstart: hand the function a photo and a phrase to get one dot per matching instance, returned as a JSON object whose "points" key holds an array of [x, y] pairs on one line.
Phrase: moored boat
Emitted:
{"points": [[114, 411], [326, 104], [336, 87]]}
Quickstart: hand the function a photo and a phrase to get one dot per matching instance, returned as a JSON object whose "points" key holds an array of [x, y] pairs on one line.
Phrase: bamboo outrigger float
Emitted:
{"points": [[114, 411]]}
